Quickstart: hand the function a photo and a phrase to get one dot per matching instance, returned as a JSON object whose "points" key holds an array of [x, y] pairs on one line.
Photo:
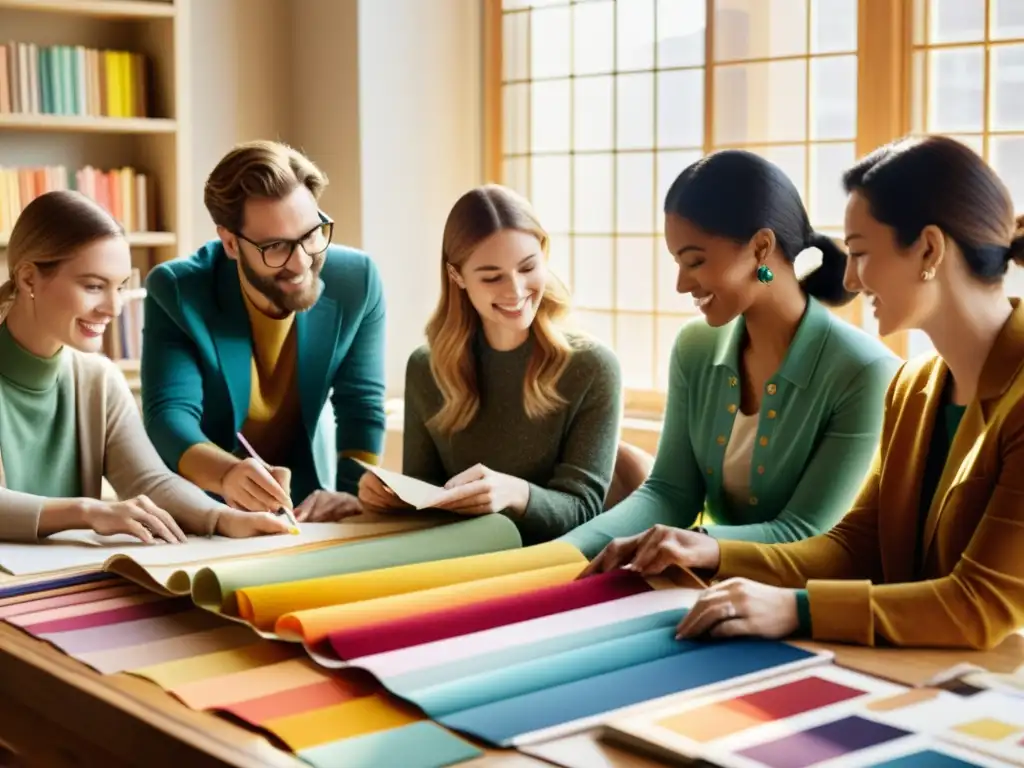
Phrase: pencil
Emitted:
{"points": [[252, 452]]}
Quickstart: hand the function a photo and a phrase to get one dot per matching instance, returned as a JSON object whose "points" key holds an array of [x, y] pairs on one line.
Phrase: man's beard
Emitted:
{"points": [[286, 302]]}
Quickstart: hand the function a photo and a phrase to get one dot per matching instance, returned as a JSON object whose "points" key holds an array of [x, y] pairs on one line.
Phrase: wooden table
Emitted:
{"points": [[55, 711]]}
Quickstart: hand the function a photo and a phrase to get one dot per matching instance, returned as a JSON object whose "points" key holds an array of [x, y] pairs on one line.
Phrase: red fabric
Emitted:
{"points": [[298, 700], [441, 625], [112, 616]]}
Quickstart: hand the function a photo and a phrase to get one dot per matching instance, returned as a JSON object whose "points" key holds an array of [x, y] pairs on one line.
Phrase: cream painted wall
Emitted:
{"points": [[240, 71], [420, 115]]}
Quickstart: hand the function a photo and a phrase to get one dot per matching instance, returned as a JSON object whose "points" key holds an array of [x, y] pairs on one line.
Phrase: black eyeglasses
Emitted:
{"points": [[276, 254]]}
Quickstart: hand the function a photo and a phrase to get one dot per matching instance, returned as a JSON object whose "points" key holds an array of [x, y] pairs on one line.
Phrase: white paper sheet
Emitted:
{"points": [[81, 549], [416, 493]]}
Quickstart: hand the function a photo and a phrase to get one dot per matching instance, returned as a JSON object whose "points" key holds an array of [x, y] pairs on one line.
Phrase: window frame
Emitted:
{"points": [[884, 110]]}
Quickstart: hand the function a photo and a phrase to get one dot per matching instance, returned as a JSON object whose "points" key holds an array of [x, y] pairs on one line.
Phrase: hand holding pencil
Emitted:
{"points": [[254, 485]]}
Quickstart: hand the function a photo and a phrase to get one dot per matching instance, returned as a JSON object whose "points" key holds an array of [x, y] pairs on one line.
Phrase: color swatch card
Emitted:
{"points": [[982, 720], [826, 716]]}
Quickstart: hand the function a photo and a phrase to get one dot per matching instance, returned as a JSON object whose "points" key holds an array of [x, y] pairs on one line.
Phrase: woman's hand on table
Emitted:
{"points": [[738, 607]]}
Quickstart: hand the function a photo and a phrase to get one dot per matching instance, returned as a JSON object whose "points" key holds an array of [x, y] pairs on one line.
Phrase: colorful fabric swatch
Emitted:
{"points": [[520, 719], [823, 742], [396, 634], [715, 721], [417, 745], [927, 758], [313, 626], [263, 606], [29, 588], [214, 587]]}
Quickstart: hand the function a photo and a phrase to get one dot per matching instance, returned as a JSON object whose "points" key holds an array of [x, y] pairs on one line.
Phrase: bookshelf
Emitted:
{"points": [[80, 131]]}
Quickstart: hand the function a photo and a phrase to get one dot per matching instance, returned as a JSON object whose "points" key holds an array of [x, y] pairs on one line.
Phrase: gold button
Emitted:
{"points": [[771, 389], [772, 414], [720, 439], [760, 469], [763, 441], [733, 381], [711, 471], [732, 407], [753, 501]]}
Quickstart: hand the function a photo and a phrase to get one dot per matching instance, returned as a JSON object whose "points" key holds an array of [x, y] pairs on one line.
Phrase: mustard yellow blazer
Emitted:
{"points": [[860, 576]]}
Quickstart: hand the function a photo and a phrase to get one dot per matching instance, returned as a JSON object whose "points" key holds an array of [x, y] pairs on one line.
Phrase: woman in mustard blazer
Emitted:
{"points": [[931, 552]]}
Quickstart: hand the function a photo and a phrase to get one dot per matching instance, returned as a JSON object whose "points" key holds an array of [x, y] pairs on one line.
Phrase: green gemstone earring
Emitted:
{"points": [[764, 274]]}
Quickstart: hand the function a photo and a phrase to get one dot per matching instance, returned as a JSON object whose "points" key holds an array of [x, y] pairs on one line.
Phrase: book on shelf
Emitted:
{"points": [[124, 192], [124, 335], [72, 80]]}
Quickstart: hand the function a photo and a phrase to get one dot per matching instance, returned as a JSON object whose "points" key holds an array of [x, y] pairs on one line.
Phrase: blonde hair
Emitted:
{"points": [[50, 231], [261, 168], [476, 216]]}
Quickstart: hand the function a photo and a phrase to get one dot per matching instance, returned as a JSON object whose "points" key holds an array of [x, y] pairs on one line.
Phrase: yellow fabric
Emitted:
{"points": [[314, 625], [171, 674], [860, 577], [274, 407], [263, 605], [367, 714]]}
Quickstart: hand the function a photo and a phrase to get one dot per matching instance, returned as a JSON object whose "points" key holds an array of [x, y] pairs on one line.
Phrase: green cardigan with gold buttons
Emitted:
{"points": [[818, 429]]}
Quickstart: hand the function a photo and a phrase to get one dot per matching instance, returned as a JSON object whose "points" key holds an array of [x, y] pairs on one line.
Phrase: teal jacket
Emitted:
{"points": [[818, 429], [197, 353]]}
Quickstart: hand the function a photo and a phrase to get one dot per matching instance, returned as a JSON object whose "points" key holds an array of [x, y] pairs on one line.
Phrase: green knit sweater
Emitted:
{"points": [[38, 435], [568, 457]]}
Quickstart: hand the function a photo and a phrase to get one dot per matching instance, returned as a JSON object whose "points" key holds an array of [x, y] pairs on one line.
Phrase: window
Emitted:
{"points": [[968, 83], [596, 105]]}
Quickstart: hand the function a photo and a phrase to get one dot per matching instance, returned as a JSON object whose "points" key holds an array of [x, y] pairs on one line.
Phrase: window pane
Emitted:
{"points": [[634, 273], [667, 275], [956, 90], [593, 193], [592, 113], [681, 108], [635, 111], [1008, 162], [635, 193], [516, 110], [516, 175], [549, 191], [956, 21], [1007, 88], [764, 102], [598, 325], [549, 42], [549, 116], [670, 165], [560, 259], [833, 26], [793, 162], [635, 348], [515, 46], [593, 37], [680, 33], [828, 201], [834, 97], [592, 272], [635, 34], [760, 29], [917, 105], [1007, 19]]}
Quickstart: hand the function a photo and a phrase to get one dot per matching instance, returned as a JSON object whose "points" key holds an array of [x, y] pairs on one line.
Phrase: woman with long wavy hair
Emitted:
{"points": [[504, 406]]}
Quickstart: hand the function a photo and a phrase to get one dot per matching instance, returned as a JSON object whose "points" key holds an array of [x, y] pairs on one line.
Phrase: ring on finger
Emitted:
{"points": [[730, 611]]}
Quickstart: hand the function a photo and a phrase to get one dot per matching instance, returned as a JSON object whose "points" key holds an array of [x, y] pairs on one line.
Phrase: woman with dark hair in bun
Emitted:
{"points": [[774, 403], [930, 552]]}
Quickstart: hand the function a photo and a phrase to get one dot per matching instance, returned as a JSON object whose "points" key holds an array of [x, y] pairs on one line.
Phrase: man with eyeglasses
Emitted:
{"points": [[254, 332]]}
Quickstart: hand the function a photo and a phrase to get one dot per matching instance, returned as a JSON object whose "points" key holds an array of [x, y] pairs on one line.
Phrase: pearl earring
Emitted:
{"points": [[927, 274]]}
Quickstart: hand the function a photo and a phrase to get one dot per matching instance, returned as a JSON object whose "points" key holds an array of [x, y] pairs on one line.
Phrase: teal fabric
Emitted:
{"points": [[818, 429], [38, 428], [197, 358], [481, 667], [417, 745]]}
